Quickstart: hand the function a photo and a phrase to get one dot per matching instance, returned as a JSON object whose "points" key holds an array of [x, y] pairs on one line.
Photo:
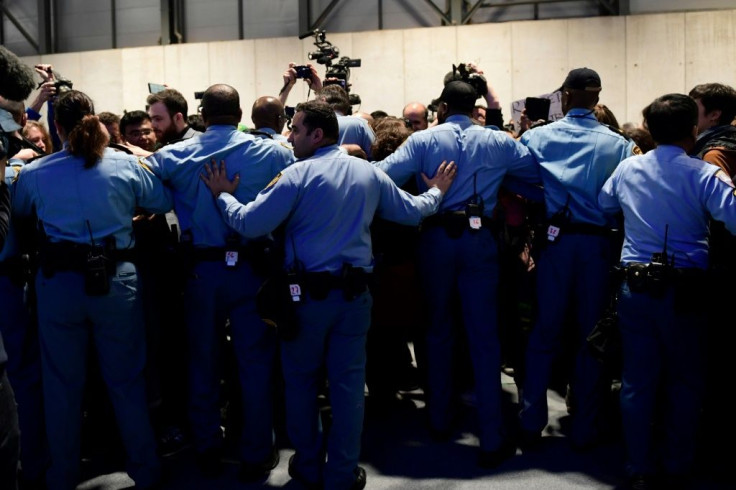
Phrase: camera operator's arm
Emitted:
{"points": [[314, 82], [289, 81], [47, 92], [492, 100]]}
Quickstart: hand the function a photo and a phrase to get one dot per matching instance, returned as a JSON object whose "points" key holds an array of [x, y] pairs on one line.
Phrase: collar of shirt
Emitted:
{"points": [[580, 113], [323, 151], [670, 150], [461, 119], [222, 128]]}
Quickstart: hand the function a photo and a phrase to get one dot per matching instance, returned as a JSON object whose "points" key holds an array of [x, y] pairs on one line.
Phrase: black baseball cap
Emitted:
{"points": [[582, 79], [458, 94]]}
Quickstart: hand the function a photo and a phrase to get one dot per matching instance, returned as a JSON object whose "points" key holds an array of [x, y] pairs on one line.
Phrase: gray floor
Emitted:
{"points": [[398, 454]]}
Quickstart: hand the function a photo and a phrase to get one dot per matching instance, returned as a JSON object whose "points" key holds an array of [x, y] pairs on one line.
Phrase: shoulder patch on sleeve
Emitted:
{"points": [[274, 180], [636, 150], [285, 145], [723, 177]]}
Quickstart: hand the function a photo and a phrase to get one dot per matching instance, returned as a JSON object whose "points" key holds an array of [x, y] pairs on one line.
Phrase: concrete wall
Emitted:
{"points": [[638, 57]]}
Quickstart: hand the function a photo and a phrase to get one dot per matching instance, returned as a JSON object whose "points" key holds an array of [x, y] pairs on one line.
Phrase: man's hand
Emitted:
{"points": [[46, 93], [443, 178], [315, 82], [215, 177], [26, 154], [46, 71]]}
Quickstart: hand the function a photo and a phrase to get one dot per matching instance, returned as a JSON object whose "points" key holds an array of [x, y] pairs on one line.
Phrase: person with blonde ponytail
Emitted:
{"points": [[85, 197]]}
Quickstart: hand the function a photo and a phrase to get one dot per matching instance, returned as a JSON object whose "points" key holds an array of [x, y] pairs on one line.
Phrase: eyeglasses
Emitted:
{"points": [[137, 133]]}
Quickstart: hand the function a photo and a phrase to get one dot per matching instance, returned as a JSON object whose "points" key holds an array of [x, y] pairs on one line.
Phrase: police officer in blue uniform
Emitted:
{"points": [[458, 253], [667, 199], [85, 197], [327, 201], [223, 283], [576, 155], [353, 130], [20, 334], [269, 118], [9, 432]]}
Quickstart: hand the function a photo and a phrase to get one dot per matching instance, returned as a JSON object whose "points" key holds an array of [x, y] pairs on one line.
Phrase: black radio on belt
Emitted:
{"points": [[474, 208], [232, 244], [558, 221], [96, 268], [96, 278]]}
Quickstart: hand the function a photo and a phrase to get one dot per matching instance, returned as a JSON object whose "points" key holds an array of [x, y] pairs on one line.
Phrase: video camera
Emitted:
{"points": [[61, 84], [339, 70], [475, 80]]}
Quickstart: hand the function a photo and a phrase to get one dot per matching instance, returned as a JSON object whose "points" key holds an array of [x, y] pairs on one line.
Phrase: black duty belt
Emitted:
{"points": [[217, 254], [64, 256], [585, 229], [353, 283], [453, 220]]}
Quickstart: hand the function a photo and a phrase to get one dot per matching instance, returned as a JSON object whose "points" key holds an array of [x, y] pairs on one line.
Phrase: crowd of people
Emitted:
{"points": [[301, 255]]}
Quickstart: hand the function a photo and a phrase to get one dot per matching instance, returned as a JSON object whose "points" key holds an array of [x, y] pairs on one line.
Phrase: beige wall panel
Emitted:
{"points": [[380, 79], [428, 55], [600, 43], [539, 57], [140, 67], [489, 47], [100, 79], [272, 57], [187, 69], [710, 50], [655, 60], [233, 63]]}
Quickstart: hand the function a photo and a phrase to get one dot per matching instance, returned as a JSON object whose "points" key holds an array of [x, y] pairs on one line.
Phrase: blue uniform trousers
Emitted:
{"points": [[572, 271], [467, 265], [24, 371], [215, 293], [332, 335], [9, 435], [68, 321], [662, 380]]}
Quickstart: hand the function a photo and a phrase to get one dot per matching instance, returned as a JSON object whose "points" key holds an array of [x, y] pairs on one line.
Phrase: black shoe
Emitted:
{"points": [[360, 479], [254, 472], [210, 462], [295, 475], [642, 482], [492, 459], [172, 441], [440, 435], [530, 441]]}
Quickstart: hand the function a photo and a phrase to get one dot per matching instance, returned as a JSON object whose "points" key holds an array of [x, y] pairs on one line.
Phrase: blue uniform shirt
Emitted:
{"points": [[280, 138], [180, 165], [355, 130], [483, 156], [576, 155], [665, 187], [66, 196], [328, 201]]}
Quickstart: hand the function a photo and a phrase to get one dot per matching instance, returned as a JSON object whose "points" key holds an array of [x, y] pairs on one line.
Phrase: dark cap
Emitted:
{"points": [[582, 79], [459, 94]]}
